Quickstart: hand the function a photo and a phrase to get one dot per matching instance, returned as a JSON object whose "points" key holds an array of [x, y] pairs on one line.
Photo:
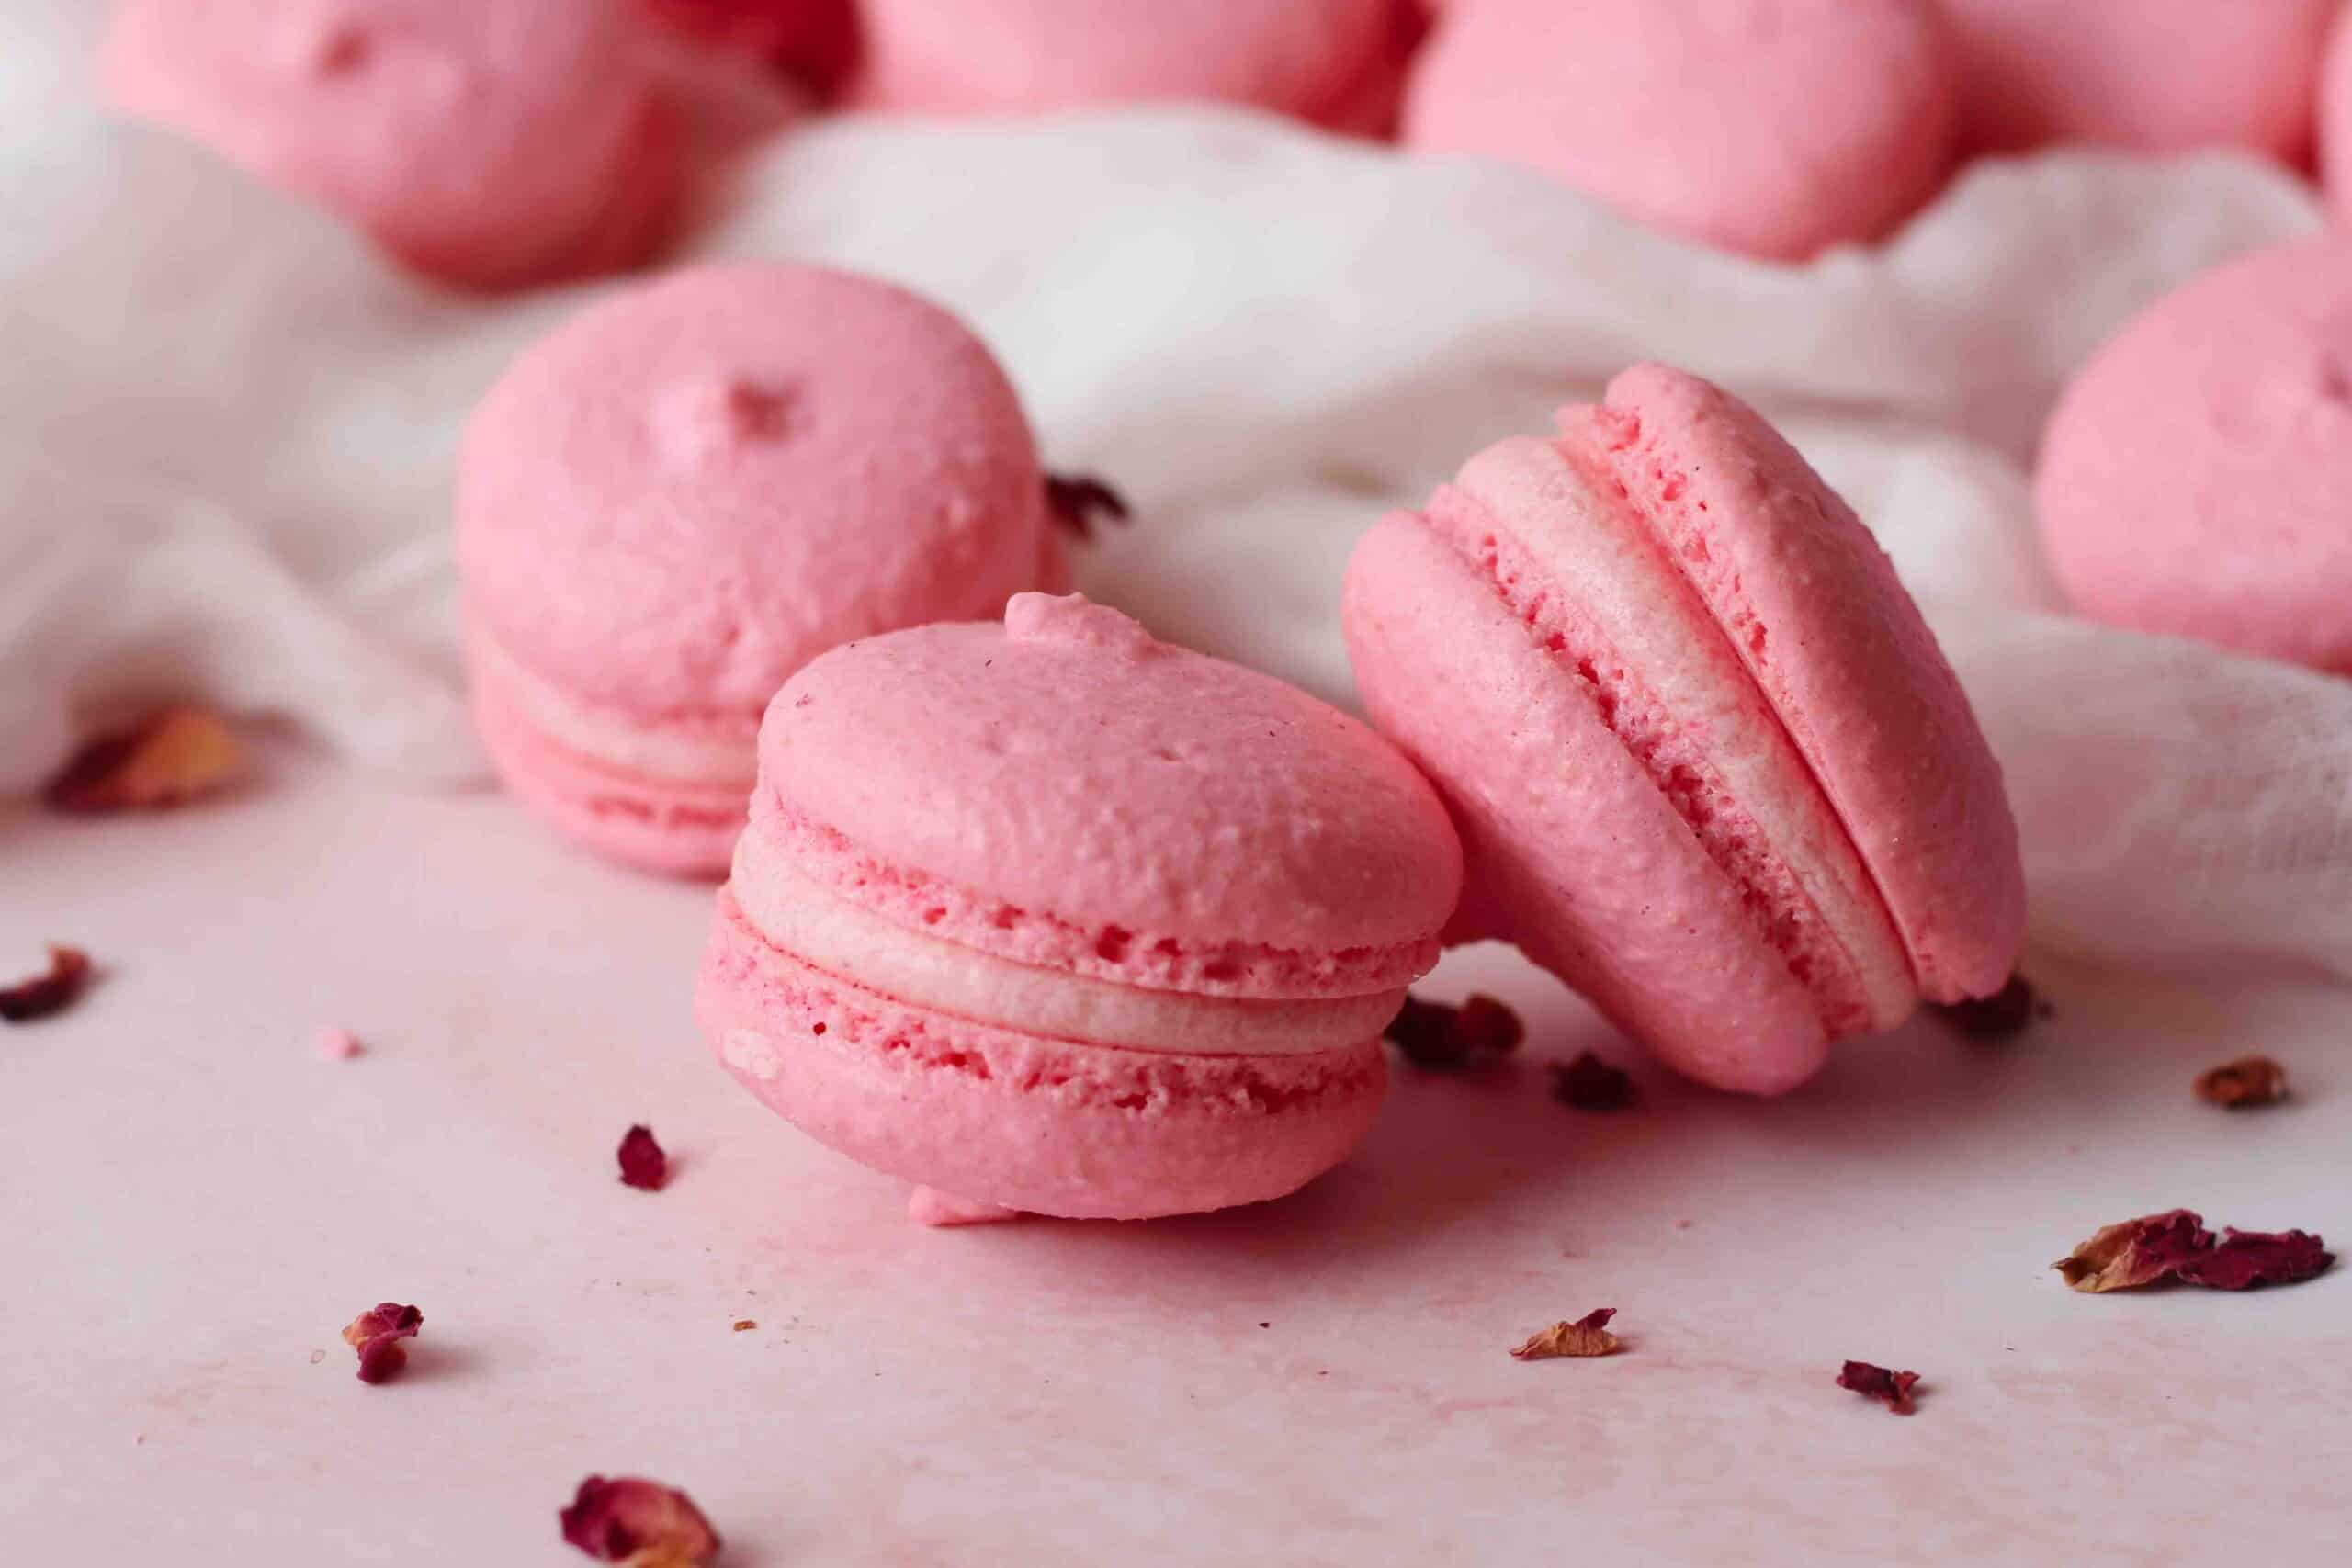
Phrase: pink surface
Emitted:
{"points": [[1087, 798], [1771, 127], [1315, 58], [2157, 75], [203, 1207], [1021, 1121], [2194, 479], [487, 144]]}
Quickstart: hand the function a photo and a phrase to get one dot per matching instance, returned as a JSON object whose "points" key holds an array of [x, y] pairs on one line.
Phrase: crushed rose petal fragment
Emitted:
{"points": [[1587, 1336], [2243, 1085], [1432, 1034], [2177, 1245], [1893, 1389], [638, 1522], [50, 992], [2247, 1259], [336, 1045], [745, 1324], [929, 1206], [377, 1335], [643, 1164], [1075, 501], [2004, 1015], [1590, 1084], [169, 759]]}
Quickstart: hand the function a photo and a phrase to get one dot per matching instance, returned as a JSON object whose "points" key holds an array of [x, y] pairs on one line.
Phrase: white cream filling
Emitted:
{"points": [[823, 930], [715, 755]]}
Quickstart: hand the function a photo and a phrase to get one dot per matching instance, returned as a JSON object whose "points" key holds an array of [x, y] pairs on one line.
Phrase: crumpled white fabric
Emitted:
{"points": [[226, 431]]}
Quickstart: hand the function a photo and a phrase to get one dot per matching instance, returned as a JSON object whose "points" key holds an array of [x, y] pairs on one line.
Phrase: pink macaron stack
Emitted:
{"points": [[1050, 916], [1708, 764], [487, 145], [690, 491]]}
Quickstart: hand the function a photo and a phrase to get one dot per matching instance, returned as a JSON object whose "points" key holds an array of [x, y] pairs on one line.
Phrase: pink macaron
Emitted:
{"points": [[1775, 127], [694, 488], [2148, 75], [2197, 477], [2335, 118], [1708, 764], [813, 39], [1336, 63], [484, 144], [1050, 916]]}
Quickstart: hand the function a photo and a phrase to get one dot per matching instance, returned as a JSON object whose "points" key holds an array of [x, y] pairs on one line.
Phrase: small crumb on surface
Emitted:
{"points": [[745, 1324], [334, 1044], [643, 1164], [1890, 1388], [50, 992], [1588, 1083], [2244, 1085], [1586, 1336]]}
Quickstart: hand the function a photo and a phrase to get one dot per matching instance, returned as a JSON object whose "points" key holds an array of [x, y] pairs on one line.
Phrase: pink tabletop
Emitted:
{"points": [[194, 1204]]}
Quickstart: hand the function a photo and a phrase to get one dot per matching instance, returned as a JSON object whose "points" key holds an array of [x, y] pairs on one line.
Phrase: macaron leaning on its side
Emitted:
{"points": [[1053, 917], [694, 488], [484, 144], [1708, 764]]}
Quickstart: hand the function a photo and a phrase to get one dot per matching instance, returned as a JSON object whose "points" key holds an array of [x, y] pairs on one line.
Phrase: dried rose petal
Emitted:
{"points": [[178, 755], [1587, 1336], [1432, 1034], [2135, 1253], [51, 991], [1075, 501], [1590, 1084], [2247, 1259], [2244, 1084], [2004, 1015], [745, 1324], [641, 1523], [642, 1162], [1877, 1382], [377, 1335]]}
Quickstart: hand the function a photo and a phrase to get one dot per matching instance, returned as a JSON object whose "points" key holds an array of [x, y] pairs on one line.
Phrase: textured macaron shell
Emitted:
{"points": [[1310, 58], [695, 487], [2197, 477], [1775, 127], [486, 143], [1118, 808], [2153, 75], [1812, 607], [1025, 1120], [716, 747]]}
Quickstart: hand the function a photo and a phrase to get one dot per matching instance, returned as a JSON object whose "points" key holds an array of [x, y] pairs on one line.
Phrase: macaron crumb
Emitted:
{"points": [[333, 1044], [929, 1206], [1586, 1337], [1890, 1388]]}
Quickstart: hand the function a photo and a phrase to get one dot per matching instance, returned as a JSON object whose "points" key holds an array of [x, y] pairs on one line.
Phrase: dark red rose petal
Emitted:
{"points": [[2135, 1253], [642, 1162], [377, 1335], [52, 991], [1590, 1084], [626, 1519], [2004, 1015], [1892, 1388], [169, 759], [2243, 1085], [2247, 1259], [1075, 501], [1432, 1034]]}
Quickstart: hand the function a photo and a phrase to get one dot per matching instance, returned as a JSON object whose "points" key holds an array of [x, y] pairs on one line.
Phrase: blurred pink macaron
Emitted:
{"points": [[2146, 75], [2335, 118], [1336, 63], [694, 488], [487, 145], [1774, 127], [1051, 916], [2197, 477], [813, 39], [1708, 763]]}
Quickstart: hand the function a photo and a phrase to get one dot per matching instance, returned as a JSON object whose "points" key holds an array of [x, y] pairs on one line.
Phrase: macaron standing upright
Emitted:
{"points": [[1708, 764], [692, 488], [486, 145], [1334, 62], [2195, 479], [1050, 916], [1772, 128]]}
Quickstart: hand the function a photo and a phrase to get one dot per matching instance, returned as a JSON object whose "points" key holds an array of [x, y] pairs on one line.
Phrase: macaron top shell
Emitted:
{"points": [[1304, 57], [1065, 790], [461, 133], [1770, 127], [1812, 607], [2197, 477], [697, 485]]}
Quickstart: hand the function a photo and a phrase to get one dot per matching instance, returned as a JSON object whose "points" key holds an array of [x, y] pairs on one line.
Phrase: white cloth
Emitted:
{"points": [[226, 431]]}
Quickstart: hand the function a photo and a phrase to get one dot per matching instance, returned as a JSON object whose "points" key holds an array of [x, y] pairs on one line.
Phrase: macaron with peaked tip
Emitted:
{"points": [[1708, 764], [1335, 62], [2197, 477], [2147, 75], [487, 145], [692, 488], [1053, 917], [1773, 128]]}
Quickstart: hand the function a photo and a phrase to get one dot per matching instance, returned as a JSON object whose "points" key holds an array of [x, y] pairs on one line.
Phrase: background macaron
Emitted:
{"points": [[814, 39], [2197, 477], [1054, 916], [2147, 75], [1335, 62], [695, 487], [1776, 128], [484, 144], [1708, 764]]}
